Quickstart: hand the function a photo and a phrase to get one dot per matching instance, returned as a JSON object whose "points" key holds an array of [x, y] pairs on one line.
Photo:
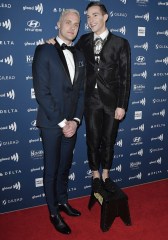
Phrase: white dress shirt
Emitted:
{"points": [[102, 36], [71, 67]]}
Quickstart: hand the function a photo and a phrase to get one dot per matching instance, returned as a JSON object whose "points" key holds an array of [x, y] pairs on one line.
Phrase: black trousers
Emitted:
{"points": [[58, 155], [101, 133]]}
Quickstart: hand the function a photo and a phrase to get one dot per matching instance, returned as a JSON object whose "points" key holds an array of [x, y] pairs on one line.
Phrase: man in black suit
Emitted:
{"points": [[106, 92], [58, 79]]}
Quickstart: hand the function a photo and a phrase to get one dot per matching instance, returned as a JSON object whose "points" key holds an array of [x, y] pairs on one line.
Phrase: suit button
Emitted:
{"points": [[98, 69]]}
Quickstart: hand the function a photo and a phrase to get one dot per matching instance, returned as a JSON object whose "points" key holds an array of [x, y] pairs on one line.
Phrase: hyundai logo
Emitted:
{"points": [[140, 59], [33, 24]]}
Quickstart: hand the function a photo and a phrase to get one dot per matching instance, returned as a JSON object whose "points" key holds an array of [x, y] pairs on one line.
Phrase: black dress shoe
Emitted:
{"points": [[59, 224], [109, 185], [69, 210]]}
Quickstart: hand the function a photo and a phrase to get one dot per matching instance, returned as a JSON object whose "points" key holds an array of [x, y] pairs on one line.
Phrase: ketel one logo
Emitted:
{"points": [[6, 24], [8, 60]]}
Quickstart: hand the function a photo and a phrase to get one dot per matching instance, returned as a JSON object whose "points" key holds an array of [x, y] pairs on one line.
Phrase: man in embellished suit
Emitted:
{"points": [[106, 92], [58, 79]]}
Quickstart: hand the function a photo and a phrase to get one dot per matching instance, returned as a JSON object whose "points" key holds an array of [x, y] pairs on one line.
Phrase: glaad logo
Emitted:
{"points": [[10, 94], [141, 128], [6, 24], [142, 102], [16, 186], [158, 161], [146, 16], [123, 1], [119, 143], [161, 113], [118, 168], [143, 74], [162, 3], [160, 137], [8, 60], [140, 153], [35, 43], [141, 31], [72, 177], [13, 127], [163, 87], [164, 60], [14, 157], [120, 30], [163, 33], [138, 176], [38, 8], [144, 46]]}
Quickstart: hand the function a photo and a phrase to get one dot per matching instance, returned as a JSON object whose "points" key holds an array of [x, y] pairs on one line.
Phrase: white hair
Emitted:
{"points": [[66, 11]]}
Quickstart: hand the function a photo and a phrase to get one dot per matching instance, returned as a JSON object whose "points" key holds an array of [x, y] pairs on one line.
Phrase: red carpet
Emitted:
{"points": [[149, 213]]}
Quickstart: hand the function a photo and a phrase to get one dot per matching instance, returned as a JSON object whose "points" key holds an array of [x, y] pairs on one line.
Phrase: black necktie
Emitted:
{"points": [[64, 47]]}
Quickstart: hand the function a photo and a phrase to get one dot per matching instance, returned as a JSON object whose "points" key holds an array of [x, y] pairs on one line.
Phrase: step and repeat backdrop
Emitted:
{"points": [[141, 146]]}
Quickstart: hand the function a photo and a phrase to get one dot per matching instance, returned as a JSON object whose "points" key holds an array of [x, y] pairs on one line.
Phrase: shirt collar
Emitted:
{"points": [[60, 41], [102, 35]]}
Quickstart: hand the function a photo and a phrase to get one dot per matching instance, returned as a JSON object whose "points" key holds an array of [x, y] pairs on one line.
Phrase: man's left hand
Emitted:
{"points": [[119, 113]]}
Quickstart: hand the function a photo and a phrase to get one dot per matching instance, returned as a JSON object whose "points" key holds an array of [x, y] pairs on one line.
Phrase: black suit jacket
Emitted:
{"points": [[112, 74], [57, 97]]}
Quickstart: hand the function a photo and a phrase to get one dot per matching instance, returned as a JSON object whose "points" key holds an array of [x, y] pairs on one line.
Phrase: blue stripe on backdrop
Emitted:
{"points": [[140, 150]]}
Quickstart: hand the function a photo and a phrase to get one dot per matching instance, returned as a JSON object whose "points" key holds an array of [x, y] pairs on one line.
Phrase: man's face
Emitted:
{"points": [[68, 27], [96, 20]]}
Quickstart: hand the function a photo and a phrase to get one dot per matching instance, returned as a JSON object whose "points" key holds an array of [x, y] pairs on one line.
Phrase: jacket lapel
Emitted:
{"points": [[62, 58]]}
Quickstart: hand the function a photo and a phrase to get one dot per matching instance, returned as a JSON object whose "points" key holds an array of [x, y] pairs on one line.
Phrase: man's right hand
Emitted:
{"points": [[51, 41]]}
